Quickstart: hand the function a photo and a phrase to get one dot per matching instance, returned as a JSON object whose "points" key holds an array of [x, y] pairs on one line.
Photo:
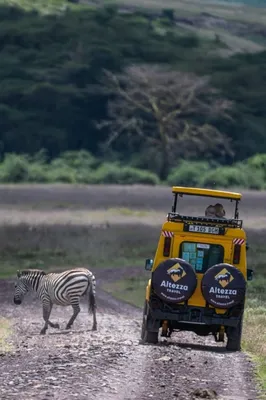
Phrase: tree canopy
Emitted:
{"points": [[157, 107], [52, 89]]}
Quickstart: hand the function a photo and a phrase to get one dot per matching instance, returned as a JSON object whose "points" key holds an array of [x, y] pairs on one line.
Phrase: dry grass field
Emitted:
{"points": [[112, 229]]}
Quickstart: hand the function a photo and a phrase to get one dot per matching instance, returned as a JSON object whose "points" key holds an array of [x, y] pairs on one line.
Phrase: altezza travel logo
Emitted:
{"points": [[224, 277], [176, 272]]}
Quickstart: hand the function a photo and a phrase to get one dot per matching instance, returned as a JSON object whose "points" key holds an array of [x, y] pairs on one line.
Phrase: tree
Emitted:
{"points": [[169, 110]]}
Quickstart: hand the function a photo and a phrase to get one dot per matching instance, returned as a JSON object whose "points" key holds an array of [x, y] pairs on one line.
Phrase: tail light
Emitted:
{"points": [[167, 246], [237, 254]]}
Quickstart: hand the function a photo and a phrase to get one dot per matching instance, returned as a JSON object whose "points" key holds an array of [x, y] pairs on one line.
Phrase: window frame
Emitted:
{"points": [[210, 244]]}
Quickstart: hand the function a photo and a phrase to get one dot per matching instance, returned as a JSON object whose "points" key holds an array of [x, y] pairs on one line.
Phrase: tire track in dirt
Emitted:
{"points": [[110, 364]]}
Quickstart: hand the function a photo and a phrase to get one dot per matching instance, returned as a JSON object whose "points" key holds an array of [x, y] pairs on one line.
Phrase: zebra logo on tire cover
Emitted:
{"points": [[176, 272], [223, 286], [174, 280], [224, 277]]}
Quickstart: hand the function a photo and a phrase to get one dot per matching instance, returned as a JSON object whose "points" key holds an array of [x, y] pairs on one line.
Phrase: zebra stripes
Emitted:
{"points": [[64, 289]]}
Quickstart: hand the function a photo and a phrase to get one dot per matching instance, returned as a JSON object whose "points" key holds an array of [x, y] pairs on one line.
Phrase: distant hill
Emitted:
{"points": [[254, 3]]}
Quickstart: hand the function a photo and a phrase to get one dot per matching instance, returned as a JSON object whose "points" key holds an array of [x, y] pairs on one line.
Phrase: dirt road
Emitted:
{"points": [[111, 364]]}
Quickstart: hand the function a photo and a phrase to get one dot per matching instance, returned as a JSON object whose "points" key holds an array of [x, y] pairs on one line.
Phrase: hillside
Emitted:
{"points": [[53, 54]]}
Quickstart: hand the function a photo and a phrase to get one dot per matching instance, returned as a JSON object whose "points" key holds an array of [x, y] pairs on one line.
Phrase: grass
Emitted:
{"points": [[61, 246], [131, 290], [254, 339], [5, 331], [128, 212]]}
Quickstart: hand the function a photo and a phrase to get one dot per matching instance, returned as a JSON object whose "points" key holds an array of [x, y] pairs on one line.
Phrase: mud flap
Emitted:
{"points": [[174, 280], [234, 336], [147, 336]]}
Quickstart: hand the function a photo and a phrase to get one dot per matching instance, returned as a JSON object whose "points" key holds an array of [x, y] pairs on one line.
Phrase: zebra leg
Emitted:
{"points": [[76, 310], [46, 309], [51, 324], [92, 305], [92, 308], [94, 325]]}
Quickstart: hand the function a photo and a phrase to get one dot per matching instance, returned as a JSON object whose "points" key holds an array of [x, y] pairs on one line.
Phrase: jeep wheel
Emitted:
{"points": [[234, 335], [147, 336]]}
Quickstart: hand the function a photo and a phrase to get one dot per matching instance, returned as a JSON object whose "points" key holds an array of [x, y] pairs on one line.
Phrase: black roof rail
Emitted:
{"points": [[230, 223]]}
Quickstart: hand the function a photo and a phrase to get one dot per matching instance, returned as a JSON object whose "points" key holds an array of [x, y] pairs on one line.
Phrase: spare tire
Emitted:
{"points": [[174, 280], [223, 286]]}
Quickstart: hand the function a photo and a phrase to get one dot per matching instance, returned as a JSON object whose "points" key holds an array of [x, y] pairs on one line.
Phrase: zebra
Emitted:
{"points": [[65, 288]]}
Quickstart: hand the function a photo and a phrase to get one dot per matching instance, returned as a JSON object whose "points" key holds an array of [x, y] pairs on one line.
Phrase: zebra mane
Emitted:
{"points": [[26, 272]]}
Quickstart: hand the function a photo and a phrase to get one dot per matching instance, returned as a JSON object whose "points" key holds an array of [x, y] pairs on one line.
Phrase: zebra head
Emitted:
{"points": [[27, 279]]}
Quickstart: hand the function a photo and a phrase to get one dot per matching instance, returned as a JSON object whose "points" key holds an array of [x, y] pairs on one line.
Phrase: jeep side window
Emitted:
{"points": [[201, 256]]}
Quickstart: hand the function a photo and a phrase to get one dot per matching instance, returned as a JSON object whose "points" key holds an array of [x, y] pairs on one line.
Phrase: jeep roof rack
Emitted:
{"points": [[180, 190]]}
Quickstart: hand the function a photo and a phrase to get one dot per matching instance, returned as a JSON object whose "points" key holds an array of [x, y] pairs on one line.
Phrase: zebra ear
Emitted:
{"points": [[18, 273]]}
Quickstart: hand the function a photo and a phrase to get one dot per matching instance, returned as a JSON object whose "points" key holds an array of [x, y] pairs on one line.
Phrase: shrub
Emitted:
{"points": [[188, 173], [58, 172], [73, 166], [78, 159], [38, 173], [84, 176], [115, 174], [234, 176], [258, 162], [14, 168]]}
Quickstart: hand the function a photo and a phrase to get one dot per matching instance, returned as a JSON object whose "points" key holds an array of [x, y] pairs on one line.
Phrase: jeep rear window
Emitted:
{"points": [[201, 255]]}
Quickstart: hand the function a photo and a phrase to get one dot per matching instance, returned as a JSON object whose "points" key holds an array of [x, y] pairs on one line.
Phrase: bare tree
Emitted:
{"points": [[165, 109]]}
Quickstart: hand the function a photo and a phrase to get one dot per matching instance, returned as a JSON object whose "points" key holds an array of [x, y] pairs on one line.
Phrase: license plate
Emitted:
{"points": [[204, 229]]}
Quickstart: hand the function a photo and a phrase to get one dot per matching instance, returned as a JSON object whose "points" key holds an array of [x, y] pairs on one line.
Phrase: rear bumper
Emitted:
{"points": [[195, 316]]}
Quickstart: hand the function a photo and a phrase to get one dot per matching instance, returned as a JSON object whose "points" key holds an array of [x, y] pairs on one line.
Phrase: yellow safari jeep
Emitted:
{"points": [[199, 272]]}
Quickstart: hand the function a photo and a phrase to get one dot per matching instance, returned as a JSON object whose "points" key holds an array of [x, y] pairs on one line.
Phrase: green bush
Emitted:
{"points": [[61, 174], [70, 167], [188, 173], [116, 174], [38, 173], [258, 162], [82, 167], [84, 176], [79, 159], [14, 168], [234, 176]]}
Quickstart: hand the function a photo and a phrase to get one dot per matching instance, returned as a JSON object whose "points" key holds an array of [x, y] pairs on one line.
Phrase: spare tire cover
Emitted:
{"points": [[223, 286], [174, 280]]}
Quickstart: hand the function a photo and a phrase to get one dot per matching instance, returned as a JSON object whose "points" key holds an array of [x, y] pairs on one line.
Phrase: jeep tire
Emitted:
{"points": [[147, 336], [174, 280], [234, 335], [223, 286]]}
